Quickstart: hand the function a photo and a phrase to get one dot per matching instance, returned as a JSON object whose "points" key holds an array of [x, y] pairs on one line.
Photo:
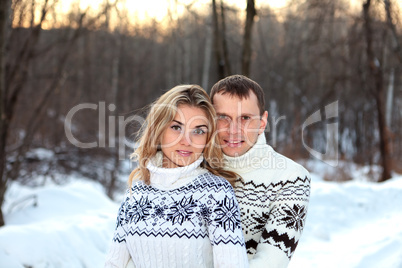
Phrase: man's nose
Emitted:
{"points": [[234, 127]]}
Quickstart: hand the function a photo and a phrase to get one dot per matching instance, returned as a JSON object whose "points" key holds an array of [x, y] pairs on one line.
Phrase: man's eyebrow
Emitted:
{"points": [[243, 114]]}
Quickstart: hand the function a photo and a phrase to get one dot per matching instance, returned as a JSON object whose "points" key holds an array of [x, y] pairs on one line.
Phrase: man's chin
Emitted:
{"points": [[233, 152]]}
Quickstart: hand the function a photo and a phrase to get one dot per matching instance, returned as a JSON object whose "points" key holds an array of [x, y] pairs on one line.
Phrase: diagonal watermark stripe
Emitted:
{"points": [[330, 156]]}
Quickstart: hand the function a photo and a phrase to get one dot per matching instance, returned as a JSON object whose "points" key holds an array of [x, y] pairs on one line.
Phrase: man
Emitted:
{"points": [[273, 191]]}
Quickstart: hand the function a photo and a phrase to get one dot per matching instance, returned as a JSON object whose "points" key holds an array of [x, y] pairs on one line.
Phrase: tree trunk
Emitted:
{"points": [[38, 112], [247, 38], [391, 25], [376, 72], [390, 96], [4, 6], [224, 45], [113, 138], [8, 102], [207, 57], [217, 42]]}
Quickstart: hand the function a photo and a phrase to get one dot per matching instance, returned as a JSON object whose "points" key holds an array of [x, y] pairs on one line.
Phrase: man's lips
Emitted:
{"points": [[234, 143], [183, 153]]}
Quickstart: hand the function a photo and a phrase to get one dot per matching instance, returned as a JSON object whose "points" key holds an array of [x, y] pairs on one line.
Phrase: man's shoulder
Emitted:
{"points": [[275, 161], [274, 168], [289, 163]]}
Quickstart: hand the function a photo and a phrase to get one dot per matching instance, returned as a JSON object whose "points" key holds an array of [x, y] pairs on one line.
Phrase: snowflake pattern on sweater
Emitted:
{"points": [[273, 196], [287, 211], [209, 200], [202, 218]]}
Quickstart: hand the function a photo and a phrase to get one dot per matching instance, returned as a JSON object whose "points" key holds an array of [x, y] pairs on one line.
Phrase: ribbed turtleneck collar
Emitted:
{"points": [[248, 161], [171, 178]]}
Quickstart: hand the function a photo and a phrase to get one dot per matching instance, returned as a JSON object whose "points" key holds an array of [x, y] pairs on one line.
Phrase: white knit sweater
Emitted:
{"points": [[186, 217], [273, 196]]}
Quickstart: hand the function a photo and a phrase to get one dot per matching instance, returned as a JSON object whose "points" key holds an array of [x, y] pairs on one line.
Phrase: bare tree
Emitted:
{"points": [[36, 117], [377, 88], [225, 47], [247, 38], [307, 59], [4, 121], [396, 44], [221, 49], [16, 76], [217, 42], [207, 56]]}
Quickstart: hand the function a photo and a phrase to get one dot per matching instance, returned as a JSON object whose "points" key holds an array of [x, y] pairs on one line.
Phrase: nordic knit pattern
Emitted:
{"points": [[273, 196], [187, 217]]}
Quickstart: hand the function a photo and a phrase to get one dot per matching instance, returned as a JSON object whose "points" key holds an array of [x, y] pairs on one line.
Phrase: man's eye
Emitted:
{"points": [[199, 131], [245, 117], [223, 117]]}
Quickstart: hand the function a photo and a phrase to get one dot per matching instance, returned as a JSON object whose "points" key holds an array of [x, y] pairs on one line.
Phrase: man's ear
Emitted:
{"points": [[264, 122]]}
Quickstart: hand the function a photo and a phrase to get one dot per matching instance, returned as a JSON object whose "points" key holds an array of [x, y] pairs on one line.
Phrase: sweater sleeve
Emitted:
{"points": [[225, 231], [285, 222], [118, 255]]}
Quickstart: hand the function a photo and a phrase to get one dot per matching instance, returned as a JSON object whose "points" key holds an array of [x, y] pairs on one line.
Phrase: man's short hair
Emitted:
{"points": [[239, 86]]}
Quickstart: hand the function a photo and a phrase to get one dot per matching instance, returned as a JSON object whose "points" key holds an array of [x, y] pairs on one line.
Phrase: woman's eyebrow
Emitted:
{"points": [[178, 122], [200, 126]]}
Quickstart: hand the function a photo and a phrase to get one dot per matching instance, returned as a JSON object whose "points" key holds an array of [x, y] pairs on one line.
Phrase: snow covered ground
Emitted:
{"points": [[351, 224]]}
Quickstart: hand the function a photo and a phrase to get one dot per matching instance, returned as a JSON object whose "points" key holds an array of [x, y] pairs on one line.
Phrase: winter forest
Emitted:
{"points": [[76, 79]]}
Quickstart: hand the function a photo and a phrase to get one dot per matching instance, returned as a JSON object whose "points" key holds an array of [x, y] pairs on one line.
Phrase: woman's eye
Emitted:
{"points": [[176, 127], [199, 131]]}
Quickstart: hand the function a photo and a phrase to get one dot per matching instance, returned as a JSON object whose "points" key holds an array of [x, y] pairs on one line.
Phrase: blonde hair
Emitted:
{"points": [[162, 112]]}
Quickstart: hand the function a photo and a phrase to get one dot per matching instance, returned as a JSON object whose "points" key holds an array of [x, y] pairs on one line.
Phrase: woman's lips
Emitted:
{"points": [[183, 153]]}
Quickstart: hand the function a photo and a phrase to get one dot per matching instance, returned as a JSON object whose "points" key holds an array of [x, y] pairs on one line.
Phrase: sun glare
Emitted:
{"points": [[144, 10], [159, 9]]}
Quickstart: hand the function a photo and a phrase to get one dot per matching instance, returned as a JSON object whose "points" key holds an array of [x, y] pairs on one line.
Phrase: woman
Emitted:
{"points": [[179, 211]]}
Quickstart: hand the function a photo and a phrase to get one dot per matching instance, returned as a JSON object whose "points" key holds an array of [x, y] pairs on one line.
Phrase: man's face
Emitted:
{"points": [[239, 122]]}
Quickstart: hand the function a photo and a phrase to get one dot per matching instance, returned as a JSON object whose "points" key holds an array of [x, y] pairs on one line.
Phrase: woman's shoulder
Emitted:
{"points": [[139, 187], [210, 180]]}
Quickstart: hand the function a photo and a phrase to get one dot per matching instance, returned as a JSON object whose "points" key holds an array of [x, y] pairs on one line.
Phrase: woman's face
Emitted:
{"points": [[184, 139]]}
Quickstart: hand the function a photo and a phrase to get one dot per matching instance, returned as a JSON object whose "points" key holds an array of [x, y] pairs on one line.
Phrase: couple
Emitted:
{"points": [[181, 209]]}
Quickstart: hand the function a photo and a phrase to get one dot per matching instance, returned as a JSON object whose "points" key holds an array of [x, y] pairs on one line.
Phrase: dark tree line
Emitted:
{"points": [[305, 56]]}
